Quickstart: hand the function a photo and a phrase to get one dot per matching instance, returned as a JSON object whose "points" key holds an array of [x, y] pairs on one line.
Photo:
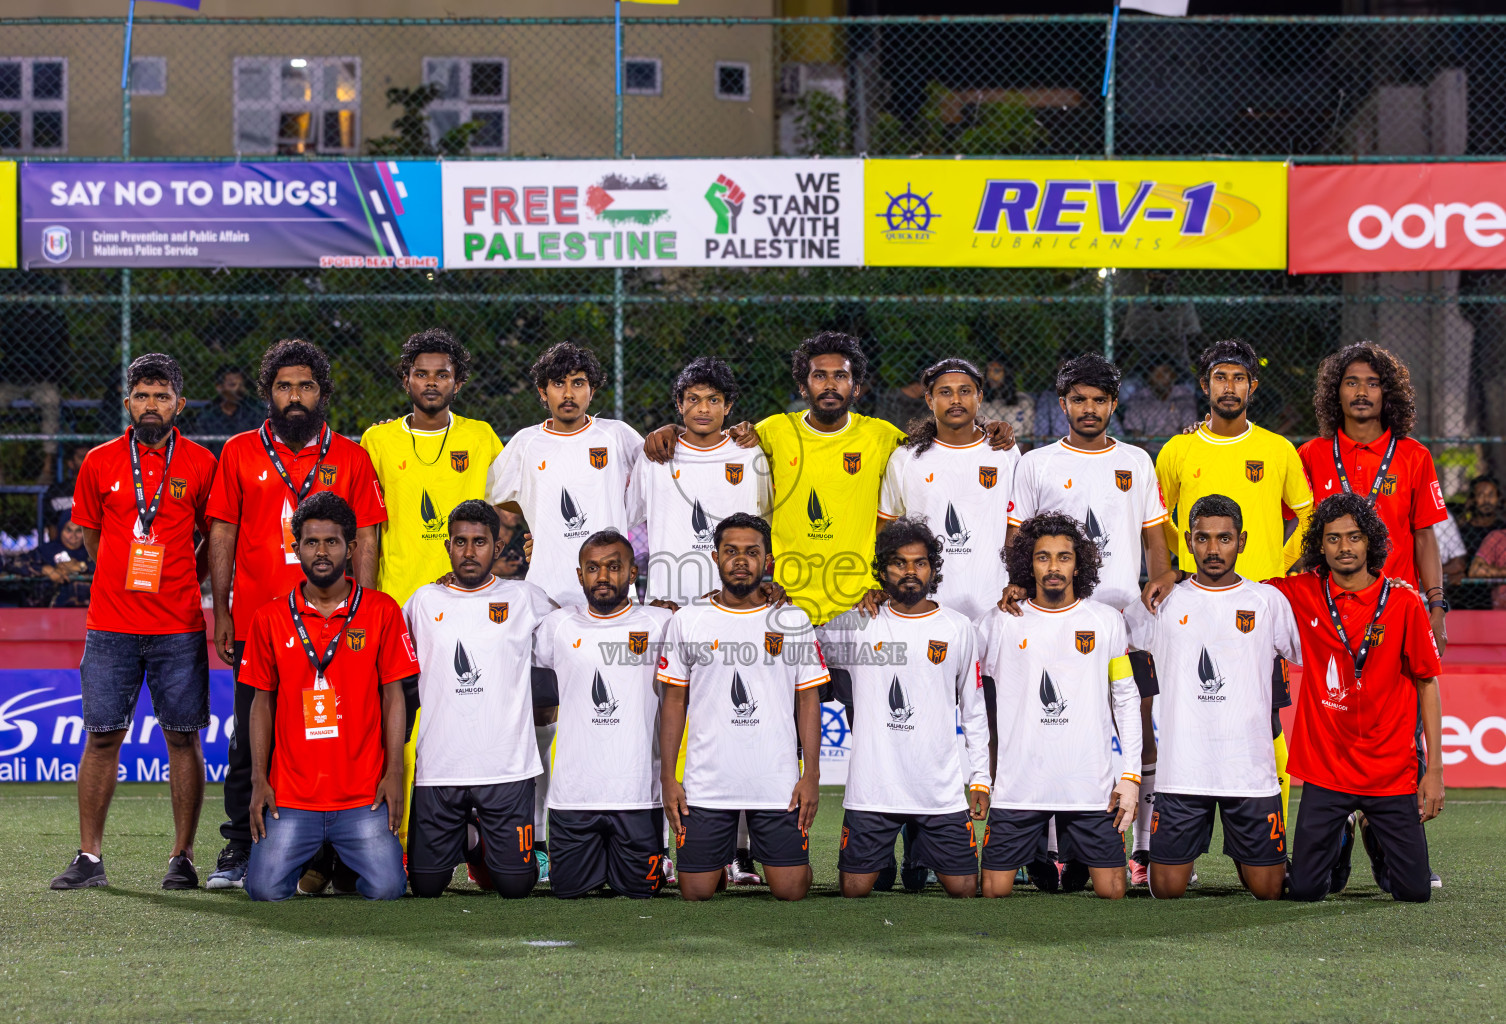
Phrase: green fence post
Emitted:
{"points": [[125, 272], [617, 369]]}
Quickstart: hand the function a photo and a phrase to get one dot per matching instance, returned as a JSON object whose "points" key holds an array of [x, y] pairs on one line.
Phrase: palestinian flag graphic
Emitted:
{"points": [[619, 199]]}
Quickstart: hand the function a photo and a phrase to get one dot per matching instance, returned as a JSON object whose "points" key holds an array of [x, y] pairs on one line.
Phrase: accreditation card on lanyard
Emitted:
{"points": [[1358, 657], [321, 719], [144, 565], [289, 555], [1380, 472]]}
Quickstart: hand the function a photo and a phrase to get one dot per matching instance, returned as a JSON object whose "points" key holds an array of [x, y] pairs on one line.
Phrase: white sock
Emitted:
{"points": [[743, 842], [545, 736], [92, 859], [1051, 844], [1146, 808]]}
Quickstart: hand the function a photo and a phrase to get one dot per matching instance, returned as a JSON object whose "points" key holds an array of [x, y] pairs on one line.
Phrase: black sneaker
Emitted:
{"points": [[886, 876], [1340, 877], [82, 873], [911, 875], [230, 869], [1044, 875], [1075, 877], [180, 874]]}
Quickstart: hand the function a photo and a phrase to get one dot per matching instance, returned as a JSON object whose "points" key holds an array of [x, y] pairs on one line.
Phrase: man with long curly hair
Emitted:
{"points": [[1062, 679], [1371, 672]]}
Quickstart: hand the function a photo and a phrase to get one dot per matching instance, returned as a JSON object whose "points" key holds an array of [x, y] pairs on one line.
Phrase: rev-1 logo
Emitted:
{"points": [[9, 722], [1014, 199]]}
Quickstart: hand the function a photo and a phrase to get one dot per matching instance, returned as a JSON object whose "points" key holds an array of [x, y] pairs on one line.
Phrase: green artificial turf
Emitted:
{"points": [[133, 952]]}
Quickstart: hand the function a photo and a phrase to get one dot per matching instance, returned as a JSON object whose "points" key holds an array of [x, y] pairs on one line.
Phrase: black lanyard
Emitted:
{"points": [[146, 513], [321, 664], [299, 493], [1380, 474], [1333, 613]]}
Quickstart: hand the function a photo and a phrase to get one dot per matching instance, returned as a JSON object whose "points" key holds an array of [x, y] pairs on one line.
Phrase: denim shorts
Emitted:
{"points": [[175, 667]]}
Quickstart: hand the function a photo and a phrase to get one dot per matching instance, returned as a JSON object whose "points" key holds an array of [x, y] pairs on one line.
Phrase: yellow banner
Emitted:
{"points": [[7, 214], [1075, 213]]}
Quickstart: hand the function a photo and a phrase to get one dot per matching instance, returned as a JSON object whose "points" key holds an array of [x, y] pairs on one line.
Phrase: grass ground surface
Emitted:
{"points": [[135, 953]]}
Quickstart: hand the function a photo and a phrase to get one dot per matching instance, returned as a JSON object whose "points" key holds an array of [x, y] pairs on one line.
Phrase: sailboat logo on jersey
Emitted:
{"points": [[575, 519], [433, 519], [1097, 534], [956, 531], [1209, 680], [743, 704], [820, 521], [602, 701], [900, 711], [467, 674], [700, 527], [1053, 704], [1337, 688]]}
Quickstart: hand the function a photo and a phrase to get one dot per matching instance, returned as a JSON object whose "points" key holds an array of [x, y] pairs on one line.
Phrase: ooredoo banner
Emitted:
{"points": [[515, 214], [382, 214], [1390, 217], [1075, 213]]}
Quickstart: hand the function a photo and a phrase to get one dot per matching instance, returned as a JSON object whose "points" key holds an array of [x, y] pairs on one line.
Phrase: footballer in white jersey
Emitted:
{"points": [[1062, 680], [1213, 639], [604, 807], [746, 673], [476, 756], [946, 472], [910, 675]]}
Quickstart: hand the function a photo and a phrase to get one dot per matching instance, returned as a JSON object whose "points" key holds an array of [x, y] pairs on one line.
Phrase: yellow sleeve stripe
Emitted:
{"points": [[814, 682], [1119, 668], [671, 680]]}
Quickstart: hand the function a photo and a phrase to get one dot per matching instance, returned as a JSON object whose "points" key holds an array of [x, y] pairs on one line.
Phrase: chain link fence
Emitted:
{"points": [[1315, 88]]}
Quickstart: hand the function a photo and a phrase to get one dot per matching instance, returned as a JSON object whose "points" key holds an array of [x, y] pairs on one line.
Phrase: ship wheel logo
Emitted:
{"points": [[908, 215]]}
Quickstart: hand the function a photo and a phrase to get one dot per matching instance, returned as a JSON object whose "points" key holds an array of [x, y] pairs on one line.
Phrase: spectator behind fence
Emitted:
{"points": [[57, 500], [1478, 518], [61, 562], [231, 413], [1000, 400], [1161, 408], [1490, 562]]}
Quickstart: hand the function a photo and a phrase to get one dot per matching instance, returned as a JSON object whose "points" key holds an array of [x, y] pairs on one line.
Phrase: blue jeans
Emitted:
{"points": [[359, 836], [174, 666]]}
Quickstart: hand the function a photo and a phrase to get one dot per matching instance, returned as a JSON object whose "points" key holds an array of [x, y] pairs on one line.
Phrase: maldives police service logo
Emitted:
{"points": [[57, 243]]}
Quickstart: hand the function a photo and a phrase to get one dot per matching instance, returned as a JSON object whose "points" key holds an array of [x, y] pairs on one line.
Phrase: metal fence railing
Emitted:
{"points": [[1321, 89]]}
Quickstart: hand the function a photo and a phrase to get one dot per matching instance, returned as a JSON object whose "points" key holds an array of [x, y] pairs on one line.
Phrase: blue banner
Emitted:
{"points": [[42, 729]]}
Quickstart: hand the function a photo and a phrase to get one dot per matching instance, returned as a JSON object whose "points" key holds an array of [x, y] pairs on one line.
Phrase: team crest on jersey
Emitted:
{"points": [[638, 642], [988, 476], [177, 487], [852, 462], [326, 475], [1244, 621], [1123, 479], [497, 611], [1376, 634], [1085, 641], [460, 461], [1254, 470], [773, 643], [936, 651], [1388, 486], [598, 458], [734, 472], [355, 639]]}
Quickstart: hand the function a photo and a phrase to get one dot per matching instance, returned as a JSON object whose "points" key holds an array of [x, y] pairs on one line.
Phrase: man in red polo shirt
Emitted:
{"points": [[328, 661], [1371, 670], [139, 499], [263, 475]]}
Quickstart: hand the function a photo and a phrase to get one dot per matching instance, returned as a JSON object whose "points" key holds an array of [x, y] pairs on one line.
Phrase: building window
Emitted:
{"points": [[297, 105], [470, 89], [148, 76], [641, 76], [34, 104], [733, 80]]}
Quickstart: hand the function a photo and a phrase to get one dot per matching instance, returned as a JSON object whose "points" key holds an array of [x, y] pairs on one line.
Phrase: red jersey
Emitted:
{"points": [[319, 765], [249, 492], [104, 499], [1358, 737], [1409, 497]]}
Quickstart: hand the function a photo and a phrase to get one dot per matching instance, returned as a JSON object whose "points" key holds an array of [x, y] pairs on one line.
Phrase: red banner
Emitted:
{"points": [[1379, 217]]}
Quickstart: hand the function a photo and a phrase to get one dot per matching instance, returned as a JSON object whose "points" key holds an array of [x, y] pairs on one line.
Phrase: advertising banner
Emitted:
{"points": [[652, 213], [1075, 213], [42, 729], [1398, 217], [382, 214], [7, 214]]}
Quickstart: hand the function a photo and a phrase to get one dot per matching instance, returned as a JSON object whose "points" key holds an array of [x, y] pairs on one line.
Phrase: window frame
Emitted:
{"points": [[27, 106], [316, 107], [657, 90], [466, 105], [136, 89], [716, 81]]}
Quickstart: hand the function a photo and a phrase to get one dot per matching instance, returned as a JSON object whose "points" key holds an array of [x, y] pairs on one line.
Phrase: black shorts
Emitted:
{"points": [[589, 849], [1182, 827], [502, 813], [1392, 825], [943, 842], [710, 839], [1016, 838]]}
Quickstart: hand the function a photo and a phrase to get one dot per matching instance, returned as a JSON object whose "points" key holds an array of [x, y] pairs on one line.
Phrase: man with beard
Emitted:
{"points": [[905, 769], [1062, 680], [263, 476], [475, 755], [747, 674], [139, 500], [328, 661], [605, 817]]}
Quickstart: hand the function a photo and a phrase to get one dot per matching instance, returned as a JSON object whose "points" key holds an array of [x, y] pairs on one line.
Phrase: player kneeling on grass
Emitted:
{"points": [[748, 673], [476, 759], [1213, 639], [605, 817], [905, 672], [328, 661], [1062, 679]]}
